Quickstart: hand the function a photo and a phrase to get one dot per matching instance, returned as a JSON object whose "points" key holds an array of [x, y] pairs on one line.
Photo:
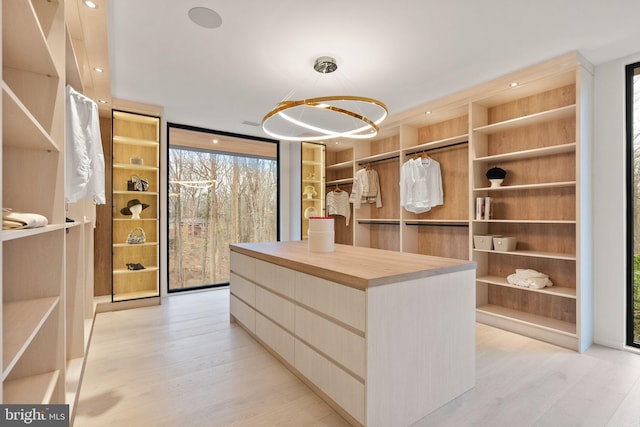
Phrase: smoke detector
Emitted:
{"points": [[325, 65]]}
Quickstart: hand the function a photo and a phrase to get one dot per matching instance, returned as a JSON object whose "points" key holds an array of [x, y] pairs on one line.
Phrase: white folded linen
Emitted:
{"points": [[19, 220], [529, 279]]}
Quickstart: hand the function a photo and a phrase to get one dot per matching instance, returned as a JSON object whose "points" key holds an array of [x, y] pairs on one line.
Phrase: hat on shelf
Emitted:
{"points": [[496, 173], [133, 202]]}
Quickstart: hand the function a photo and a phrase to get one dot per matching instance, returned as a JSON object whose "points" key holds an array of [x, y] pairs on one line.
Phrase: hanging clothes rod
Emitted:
{"points": [[436, 148], [437, 224], [377, 161], [379, 222]]}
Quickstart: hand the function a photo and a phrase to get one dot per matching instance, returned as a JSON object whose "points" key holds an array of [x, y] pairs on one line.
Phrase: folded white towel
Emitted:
{"points": [[19, 220], [529, 279]]}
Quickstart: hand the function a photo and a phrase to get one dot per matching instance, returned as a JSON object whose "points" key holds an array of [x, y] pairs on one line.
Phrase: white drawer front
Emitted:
{"points": [[275, 307], [276, 278], [275, 337], [243, 289], [343, 346], [243, 265], [243, 313], [335, 300], [340, 386]]}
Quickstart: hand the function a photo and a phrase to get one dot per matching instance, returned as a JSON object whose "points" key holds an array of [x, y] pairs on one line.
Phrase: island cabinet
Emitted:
{"points": [[384, 337]]}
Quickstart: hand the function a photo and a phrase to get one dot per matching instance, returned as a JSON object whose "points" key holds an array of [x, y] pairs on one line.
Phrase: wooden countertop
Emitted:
{"points": [[352, 266]]}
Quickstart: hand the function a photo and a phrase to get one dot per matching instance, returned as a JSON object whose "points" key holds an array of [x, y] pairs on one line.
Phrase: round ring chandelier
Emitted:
{"points": [[322, 118]]}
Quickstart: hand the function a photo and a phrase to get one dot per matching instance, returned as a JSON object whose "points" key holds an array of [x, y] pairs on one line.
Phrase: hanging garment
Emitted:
{"points": [[366, 188], [84, 158], [338, 204], [421, 185]]}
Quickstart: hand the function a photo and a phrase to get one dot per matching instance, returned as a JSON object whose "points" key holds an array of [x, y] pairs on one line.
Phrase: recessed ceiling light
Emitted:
{"points": [[205, 17], [513, 84], [102, 101], [215, 141], [428, 112], [98, 69], [90, 4]]}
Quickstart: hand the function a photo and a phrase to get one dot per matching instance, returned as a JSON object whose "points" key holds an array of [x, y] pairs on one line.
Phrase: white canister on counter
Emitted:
{"points": [[321, 234]]}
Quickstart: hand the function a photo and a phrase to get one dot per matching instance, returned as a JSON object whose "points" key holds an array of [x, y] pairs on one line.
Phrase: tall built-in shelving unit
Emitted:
{"points": [[535, 124], [33, 317], [47, 273], [136, 153], [313, 177]]}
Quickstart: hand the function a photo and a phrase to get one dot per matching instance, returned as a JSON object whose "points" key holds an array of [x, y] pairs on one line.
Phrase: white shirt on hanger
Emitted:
{"points": [[84, 158]]}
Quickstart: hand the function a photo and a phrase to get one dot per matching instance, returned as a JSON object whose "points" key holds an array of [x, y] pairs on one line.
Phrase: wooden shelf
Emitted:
{"points": [[36, 389], [378, 157], [311, 163], [126, 271], [136, 193], [436, 222], [136, 118], [528, 186], [545, 116], [22, 320], [341, 165], [529, 154], [340, 181], [553, 290], [135, 141], [129, 166], [128, 245], [432, 145], [553, 325], [311, 181], [28, 49], [535, 254], [526, 221], [20, 128], [131, 219], [28, 232]]}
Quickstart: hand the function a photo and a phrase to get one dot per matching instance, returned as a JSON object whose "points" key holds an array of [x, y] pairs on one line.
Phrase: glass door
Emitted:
{"points": [[222, 189]]}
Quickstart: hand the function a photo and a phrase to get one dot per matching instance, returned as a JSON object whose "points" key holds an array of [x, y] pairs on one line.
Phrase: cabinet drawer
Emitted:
{"points": [[333, 299], [243, 265], [343, 346], [243, 289], [276, 278], [275, 307], [243, 313], [275, 337], [347, 391]]}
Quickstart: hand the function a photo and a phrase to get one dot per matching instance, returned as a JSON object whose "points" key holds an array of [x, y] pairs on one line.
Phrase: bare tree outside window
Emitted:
{"points": [[216, 198]]}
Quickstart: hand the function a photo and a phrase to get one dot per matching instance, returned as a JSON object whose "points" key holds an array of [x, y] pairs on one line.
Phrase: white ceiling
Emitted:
{"points": [[404, 53]]}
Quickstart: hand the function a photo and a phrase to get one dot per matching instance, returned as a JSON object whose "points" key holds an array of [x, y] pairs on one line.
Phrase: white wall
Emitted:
{"points": [[290, 165], [609, 203]]}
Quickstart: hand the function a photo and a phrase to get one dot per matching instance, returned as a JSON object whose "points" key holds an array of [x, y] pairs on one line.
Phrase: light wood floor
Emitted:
{"points": [[183, 364]]}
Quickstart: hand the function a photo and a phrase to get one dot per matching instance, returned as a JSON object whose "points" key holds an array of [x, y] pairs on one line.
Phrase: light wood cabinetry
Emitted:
{"points": [[47, 273], [313, 183], [366, 337], [136, 156], [538, 131]]}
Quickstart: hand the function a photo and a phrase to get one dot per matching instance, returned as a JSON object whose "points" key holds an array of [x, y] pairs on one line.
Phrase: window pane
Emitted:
{"points": [[216, 199], [633, 116]]}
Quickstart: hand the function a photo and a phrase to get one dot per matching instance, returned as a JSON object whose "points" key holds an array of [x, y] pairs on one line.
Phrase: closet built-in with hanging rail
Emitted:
{"points": [[539, 123]]}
